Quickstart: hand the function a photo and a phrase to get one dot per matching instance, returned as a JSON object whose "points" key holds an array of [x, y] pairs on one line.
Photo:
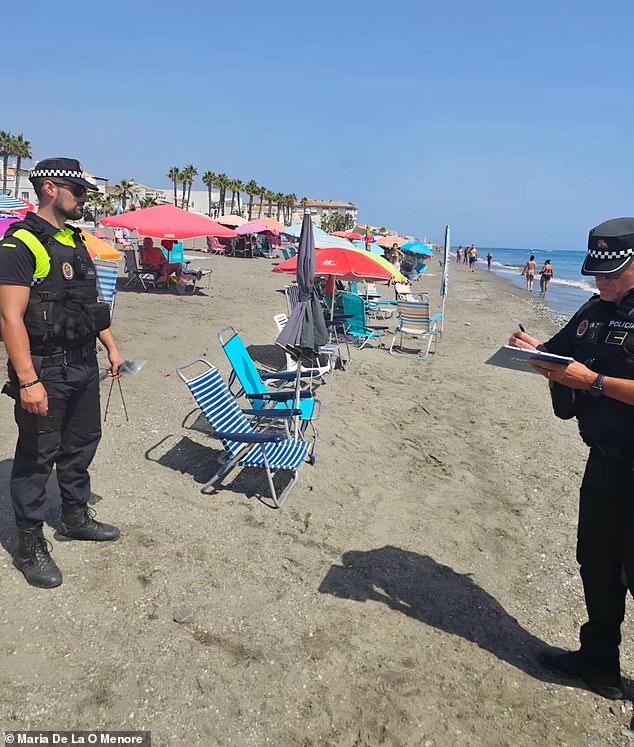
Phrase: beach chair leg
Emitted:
{"points": [[226, 466]]}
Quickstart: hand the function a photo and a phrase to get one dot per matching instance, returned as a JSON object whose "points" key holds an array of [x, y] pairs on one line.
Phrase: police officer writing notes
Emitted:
{"points": [[50, 320], [598, 389]]}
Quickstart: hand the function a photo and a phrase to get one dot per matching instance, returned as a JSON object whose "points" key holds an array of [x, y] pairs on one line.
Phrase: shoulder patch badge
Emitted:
{"points": [[582, 328], [69, 273]]}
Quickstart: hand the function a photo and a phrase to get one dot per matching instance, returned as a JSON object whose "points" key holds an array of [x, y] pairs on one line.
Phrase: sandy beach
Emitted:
{"points": [[400, 596]]}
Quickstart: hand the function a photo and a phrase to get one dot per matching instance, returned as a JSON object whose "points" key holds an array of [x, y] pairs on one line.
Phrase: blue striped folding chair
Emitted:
{"points": [[414, 320], [246, 380], [107, 274], [244, 446]]}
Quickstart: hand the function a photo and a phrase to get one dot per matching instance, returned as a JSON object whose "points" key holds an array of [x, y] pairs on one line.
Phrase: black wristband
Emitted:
{"points": [[30, 383], [596, 390]]}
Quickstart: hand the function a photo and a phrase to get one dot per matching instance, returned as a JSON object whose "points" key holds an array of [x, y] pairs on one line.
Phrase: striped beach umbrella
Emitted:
{"points": [[9, 204]]}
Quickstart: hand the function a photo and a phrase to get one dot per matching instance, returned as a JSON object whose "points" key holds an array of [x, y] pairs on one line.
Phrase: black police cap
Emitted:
{"points": [[68, 169], [610, 248]]}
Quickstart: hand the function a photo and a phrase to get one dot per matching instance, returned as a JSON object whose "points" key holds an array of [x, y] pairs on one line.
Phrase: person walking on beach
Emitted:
{"points": [[489, 260], [50, 320], [529, 272], [459, 254], [598, 389], [473, 257], [546, 275], [465, 255]]}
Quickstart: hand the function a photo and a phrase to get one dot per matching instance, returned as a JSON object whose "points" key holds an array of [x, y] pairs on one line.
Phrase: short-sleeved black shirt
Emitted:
{"points": [[17, 263]]}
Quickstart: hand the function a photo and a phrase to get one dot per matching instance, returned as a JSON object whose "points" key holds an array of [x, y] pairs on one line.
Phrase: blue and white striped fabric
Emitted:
{"points": [[222, 411], [107, 273], [11, 203]]}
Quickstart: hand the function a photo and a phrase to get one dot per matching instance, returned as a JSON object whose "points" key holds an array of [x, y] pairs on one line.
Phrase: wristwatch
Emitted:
{"points": [[596, 390]]}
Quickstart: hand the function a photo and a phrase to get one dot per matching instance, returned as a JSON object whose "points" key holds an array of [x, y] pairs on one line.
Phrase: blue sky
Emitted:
{"points": [[512, 124]]}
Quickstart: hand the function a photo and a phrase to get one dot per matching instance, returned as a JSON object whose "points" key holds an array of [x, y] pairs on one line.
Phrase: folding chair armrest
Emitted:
{"points": [[277, 414], [282, 375], [252, 438], [436, 317], [377, 327], [280, 396], [288, 375]]}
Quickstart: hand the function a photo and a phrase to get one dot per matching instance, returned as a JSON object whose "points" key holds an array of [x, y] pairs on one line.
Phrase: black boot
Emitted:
{"points": [[32, 557], [78, 523], [603, 680]]}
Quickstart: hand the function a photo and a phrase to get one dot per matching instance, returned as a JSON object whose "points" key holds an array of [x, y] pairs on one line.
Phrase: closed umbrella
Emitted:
{"points": [[306, 328]]}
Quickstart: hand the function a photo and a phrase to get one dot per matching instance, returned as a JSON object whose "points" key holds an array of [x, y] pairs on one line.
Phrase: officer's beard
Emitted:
{"points": [[74, 213]]}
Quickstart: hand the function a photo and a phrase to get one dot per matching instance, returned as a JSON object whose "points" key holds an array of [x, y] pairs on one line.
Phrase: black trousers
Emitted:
{"points": [[605, 552], [66, 437]]}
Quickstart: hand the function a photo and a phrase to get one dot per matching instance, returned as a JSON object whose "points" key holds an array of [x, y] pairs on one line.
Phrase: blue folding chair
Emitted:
{"points": [[244, 445], [247, 381], [107, 274]]}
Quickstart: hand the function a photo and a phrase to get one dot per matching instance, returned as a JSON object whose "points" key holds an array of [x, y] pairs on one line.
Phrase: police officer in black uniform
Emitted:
{"points": [[598, 389], [50, 320]]}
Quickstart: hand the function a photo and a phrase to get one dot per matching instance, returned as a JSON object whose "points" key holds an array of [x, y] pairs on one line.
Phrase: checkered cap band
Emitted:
{"points": [[606, 254], [57, 172]]}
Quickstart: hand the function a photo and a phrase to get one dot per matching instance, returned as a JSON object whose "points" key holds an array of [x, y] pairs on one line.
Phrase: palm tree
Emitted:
{"points": [[222, 182], [279, 198], [174, 175], [251, 188], [270, 196], [233, 186], [291, 201], [262, 193], [209, 178], [108, 205], [148, 202], [189, 172], [94, 204], [304, 202], [124, 188], [6, 150], [21, 149], [239, 187]]}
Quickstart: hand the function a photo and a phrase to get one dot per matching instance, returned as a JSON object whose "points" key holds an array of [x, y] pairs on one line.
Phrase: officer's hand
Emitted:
{"points": [[34, 399], [574, 375], [520, 339], [114, 356]]}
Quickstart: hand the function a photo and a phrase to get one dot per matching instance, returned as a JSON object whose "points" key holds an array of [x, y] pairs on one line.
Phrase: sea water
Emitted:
{"points": [[568, 289]]}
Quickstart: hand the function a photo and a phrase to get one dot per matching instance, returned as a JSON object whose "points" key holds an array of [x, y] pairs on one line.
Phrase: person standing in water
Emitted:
{"points": [[546, 275], [489, 260], [529, 273]]}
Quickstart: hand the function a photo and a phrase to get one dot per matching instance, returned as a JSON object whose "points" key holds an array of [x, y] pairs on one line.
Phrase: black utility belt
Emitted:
{"points": [[65, 358], [614, 452]]}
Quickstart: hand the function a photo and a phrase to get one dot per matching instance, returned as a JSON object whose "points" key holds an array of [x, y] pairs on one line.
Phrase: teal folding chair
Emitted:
{"points": [[246, 380], [244, 445], [356, 323]]}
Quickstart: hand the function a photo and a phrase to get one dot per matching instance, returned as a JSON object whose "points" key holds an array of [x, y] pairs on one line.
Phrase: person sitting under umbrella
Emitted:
{"points": [[153, 257]]}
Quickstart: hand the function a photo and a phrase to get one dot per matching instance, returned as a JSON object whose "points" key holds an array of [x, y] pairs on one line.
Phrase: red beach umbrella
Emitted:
{"points": [[168, 222], [346, 264]]}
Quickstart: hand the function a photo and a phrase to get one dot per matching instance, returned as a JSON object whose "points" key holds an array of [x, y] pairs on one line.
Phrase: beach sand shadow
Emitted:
{"points": [[419, 587], [202, 461]]}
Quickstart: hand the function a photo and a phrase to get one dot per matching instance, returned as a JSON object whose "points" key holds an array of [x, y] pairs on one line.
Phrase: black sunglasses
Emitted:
{"points": [[76, 189]]}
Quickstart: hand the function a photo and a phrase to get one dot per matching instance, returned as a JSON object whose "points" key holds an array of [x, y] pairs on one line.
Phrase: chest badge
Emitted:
{"points": [[67, 271], [582, 328]]}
